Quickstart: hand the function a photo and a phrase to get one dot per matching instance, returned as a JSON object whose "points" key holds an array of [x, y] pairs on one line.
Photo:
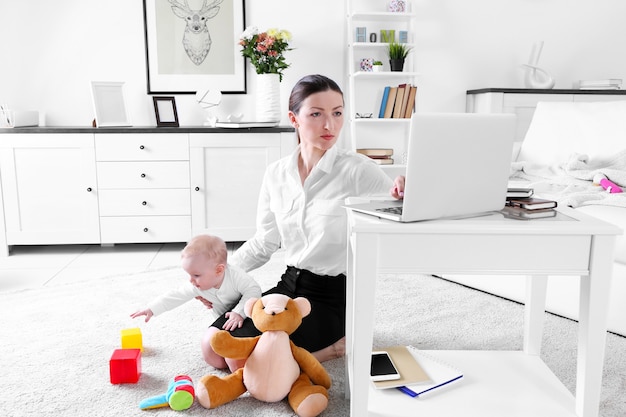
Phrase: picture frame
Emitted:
{"points": [[109, 104], [211, 57], [165, 111]]}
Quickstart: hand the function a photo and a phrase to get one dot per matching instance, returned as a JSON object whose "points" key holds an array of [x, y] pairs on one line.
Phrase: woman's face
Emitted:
{"points": [[319, 120]]}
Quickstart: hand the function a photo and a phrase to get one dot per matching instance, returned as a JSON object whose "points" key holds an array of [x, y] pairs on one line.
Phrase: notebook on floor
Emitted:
{"points": [[457, 164]]}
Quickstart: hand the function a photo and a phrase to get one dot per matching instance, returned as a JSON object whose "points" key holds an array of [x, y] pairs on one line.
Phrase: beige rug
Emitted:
{"points": [[55, 343]]}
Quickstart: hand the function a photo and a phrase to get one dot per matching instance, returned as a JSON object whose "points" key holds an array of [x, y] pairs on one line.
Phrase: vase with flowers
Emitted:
{"points": [[266, 53]]}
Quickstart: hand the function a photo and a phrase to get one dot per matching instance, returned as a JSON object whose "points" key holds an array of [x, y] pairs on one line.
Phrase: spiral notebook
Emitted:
{"points": [[440, 374]]}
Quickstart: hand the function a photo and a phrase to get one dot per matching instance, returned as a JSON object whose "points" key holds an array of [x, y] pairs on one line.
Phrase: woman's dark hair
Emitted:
{"points": [[308, 85]]}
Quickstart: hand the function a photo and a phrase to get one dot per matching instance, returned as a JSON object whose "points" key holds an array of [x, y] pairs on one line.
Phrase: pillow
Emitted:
{"points": [[558, 129]]}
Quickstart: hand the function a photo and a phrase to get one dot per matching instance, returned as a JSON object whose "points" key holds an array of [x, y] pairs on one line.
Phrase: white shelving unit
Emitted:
{"points": [[366, 88]]}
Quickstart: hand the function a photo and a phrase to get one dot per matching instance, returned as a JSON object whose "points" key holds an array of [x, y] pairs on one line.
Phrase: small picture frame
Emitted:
{"points": [[165, 111], [109, 104]]}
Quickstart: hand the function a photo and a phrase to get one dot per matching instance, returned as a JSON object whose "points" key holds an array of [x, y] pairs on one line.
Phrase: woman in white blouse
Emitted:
{"points": [[300, 209]]}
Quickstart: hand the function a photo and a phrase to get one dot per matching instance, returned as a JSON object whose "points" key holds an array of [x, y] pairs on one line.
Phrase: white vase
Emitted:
{"points": [[268, 98]]}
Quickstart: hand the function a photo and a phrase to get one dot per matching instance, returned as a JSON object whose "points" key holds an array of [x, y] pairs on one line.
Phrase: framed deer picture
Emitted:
{"points": [[194, 43]]}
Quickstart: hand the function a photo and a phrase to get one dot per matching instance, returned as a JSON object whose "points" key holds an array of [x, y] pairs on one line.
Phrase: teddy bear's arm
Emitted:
{"points": [[233, 347], [310, 366]]}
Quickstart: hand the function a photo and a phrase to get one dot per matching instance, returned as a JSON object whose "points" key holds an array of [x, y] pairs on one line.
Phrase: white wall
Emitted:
{"points": [[50, 50]]}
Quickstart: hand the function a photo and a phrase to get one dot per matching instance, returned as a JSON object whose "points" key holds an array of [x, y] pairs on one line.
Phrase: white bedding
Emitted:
{"points": [[571, 182]]}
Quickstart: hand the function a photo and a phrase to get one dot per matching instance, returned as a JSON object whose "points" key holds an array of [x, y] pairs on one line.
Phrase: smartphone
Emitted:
{"points": [[383, 368]]}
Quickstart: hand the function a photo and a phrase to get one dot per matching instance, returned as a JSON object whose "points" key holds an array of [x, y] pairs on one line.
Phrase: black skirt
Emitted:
{"points": [[326, 323]]}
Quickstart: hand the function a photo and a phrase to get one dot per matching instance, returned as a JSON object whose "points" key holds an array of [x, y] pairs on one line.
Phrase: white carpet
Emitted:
{"points": [[56, 343]]}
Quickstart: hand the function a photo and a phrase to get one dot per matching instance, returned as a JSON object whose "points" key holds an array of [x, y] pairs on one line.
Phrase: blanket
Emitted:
{"points": [[570, 183]]}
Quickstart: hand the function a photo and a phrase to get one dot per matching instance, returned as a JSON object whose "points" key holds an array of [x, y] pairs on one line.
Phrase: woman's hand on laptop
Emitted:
{"points": [[397, 191]]}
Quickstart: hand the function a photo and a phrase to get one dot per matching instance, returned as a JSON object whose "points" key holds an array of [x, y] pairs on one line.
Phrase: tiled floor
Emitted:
{"points": [[36, 266]]}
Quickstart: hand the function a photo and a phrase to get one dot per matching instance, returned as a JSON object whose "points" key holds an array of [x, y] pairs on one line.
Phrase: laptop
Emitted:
{"points": [[458, 164]]}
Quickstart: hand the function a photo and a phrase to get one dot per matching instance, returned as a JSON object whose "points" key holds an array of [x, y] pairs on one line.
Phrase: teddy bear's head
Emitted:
{"points": [[277, 312]]}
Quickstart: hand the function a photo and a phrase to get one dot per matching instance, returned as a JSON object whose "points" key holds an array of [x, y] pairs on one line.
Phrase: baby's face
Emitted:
{"points": [[204, 273]]}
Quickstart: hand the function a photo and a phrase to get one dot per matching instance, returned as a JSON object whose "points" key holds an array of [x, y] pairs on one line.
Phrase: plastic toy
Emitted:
{"points": [[275, 367], [179, 395], [607, 184], [131, 338], [125, 366]]}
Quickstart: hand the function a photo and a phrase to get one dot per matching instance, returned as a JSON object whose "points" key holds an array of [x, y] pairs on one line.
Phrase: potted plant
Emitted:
{"points": [[397, 54], [377, 66]]}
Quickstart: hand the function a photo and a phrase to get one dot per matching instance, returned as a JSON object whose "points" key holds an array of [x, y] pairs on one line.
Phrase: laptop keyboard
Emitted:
{"points": [[393, 210]]}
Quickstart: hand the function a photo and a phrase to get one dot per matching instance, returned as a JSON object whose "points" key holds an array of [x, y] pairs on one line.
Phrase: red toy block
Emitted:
{"points": [[125, 366]]}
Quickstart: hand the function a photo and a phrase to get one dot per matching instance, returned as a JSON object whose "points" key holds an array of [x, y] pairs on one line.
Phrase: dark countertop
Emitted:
{"points": [[545, 91], [143, 129]]}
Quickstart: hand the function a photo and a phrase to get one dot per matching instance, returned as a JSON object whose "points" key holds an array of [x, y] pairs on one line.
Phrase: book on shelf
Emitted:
{"points": [[398, 102], [531, 203], [382, 156], [420, 372], [383, 103], [605, 84], [391, 99]]}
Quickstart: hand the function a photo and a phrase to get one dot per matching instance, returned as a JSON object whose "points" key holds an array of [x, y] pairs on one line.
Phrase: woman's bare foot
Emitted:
{"points": [[334, 351]]}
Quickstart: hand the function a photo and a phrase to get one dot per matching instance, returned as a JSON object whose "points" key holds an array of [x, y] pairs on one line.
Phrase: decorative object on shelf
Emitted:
{"points": [[176, 67], [403, 36], [109, 104], [6, 116], [373, 37], [535, 77], [267, 98], [165, 111], [208, 98], [266, 53], [387, 35], [366, 64], [397, 53], [360, 34], [397, 6], [377, 66]]}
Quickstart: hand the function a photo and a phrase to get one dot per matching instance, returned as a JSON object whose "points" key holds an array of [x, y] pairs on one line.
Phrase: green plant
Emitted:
{"points": [[265, 49], [397, 50], [377, 63]]}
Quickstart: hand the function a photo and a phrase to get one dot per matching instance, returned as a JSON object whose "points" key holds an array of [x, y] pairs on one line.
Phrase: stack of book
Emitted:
{"points": [[382, 156], [398, 102], [607, 84], [527, 207]]}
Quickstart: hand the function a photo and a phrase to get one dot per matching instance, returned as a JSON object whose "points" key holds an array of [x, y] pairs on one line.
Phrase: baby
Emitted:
{"points": [[225, 288]]}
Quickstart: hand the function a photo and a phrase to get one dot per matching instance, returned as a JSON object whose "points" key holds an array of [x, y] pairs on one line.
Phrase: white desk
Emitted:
{"points": [[495, 383]]}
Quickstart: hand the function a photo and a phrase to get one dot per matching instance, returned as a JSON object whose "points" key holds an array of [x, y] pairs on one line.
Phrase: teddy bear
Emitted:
{"points": [[275, 367]]}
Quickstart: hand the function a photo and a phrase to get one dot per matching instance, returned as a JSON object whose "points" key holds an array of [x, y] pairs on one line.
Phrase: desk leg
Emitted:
{"points": [[361, 290], [594, 299], [534, 313]]}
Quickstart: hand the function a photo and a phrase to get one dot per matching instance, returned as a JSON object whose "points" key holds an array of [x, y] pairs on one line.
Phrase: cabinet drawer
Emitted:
{"points": [[136, 229], [174, 174], [142, 147], [152, 202]]}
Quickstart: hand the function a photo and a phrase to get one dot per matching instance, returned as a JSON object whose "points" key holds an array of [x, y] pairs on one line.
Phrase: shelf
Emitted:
{"points": [[381, 120], [381, 15], [384, 74], [374, 45], [495, 383]]}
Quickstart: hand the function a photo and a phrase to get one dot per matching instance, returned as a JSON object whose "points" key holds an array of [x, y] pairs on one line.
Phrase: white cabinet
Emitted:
{"points": [[226, 175], [366, 87], [49, 189], [143, 180], [522, 102]]}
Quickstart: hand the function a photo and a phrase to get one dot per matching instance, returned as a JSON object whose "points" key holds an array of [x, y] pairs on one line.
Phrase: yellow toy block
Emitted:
{"points": [[131, 339]]}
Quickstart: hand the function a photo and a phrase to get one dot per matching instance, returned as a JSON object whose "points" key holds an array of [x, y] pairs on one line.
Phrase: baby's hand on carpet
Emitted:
{"points": [[148, 313], [204, 301]]}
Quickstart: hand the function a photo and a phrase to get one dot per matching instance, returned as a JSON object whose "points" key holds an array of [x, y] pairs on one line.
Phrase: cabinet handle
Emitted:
{"points": [[145, 229], [143, 203], [143, 175], [142, 147], [197, 188], [88, 189]]}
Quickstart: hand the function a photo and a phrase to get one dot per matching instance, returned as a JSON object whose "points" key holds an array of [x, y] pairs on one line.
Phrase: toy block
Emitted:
{"points": [[131, 338], [125, 366]]}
